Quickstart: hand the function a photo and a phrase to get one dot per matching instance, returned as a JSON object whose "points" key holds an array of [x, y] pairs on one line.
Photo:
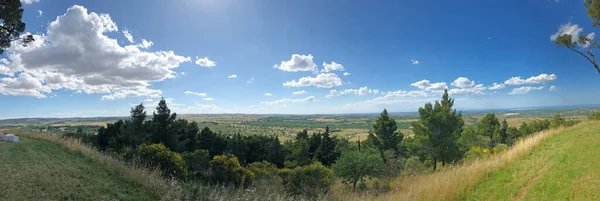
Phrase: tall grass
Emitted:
{"points": [[150, 179]]}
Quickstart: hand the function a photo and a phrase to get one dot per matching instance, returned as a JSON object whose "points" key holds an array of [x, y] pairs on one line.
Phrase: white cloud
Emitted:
{"points": [[297, 63], [474, 90], [183, 73], [148, 100], [145, 44], [572, 29], [497, 86], [463, 82], [40, 13], [232, 76], [426, 85], [299, 92], [250, 81], [524, 90], [540, 79], [414, 61], [552, 88], [268, 94], [208, 99], [205, 62], [128, 36], [76, 54], [360, 91], [332, 67], [289, 100], [346, 73], [29, 1], [323, 80], [195, 93]]}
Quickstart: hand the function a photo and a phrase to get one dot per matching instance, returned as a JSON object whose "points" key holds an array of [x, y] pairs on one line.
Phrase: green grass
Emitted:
{"points": [[35, 169], [564, 167]]}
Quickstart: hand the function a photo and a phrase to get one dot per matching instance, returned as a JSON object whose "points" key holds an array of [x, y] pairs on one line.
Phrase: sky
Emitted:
{"points": [[99, 58]]}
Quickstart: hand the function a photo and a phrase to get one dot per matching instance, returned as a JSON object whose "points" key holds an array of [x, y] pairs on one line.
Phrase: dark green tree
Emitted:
{"points": [[356, 166], [314, 142], [11, 27], [137, 133], [503, 130], [385, 130], [163, 126], [438, 129], [326, 152], [302, 135]]}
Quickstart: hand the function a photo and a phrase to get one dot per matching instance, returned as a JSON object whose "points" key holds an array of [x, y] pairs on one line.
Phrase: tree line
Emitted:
{"points": [[307, 164]]}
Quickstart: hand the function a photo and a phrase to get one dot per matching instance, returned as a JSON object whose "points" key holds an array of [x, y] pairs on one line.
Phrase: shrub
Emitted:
{"points": [[197, 163], [477, 152], [312, 180], [157, 155], [595, 116], [414, 166], [226, 169]]}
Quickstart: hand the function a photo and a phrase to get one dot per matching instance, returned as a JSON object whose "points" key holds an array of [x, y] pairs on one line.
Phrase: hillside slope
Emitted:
{"points": [[35, 169], [564, 166]]}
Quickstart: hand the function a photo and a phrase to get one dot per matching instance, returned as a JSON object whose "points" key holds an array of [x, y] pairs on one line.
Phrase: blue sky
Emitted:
{"points": [[338, 56]]}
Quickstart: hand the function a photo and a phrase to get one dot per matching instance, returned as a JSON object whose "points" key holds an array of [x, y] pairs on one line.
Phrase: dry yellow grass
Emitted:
{"points": [[151, 180], [450, 182]]}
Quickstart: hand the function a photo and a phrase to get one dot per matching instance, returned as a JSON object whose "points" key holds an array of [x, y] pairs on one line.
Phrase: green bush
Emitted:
{"points": [[265, 173], [595, 116], [312, 180], [197, 163], [226, 169], [414, 166], [477, 152], [356, 166], [157, 155]]}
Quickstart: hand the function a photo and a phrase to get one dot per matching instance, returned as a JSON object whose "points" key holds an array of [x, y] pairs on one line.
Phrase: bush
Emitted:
{"points": [[414, 166], [226, 169], [477, 152], [157, 155], [595, 116], [356, 166], [197, 163], [312, 180]]}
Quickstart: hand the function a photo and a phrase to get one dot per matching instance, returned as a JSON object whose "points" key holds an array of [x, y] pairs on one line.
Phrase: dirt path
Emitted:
{"points": [[537, 176]]}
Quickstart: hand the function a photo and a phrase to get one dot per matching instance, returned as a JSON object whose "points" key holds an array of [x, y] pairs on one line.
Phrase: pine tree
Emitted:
{"points": [[503, 129], [385, 130], [313, 144], [163, 122], [438, 129], [326, 152]]}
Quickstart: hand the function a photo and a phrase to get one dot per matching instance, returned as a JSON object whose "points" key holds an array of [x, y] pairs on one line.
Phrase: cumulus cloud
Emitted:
{"points": [[497, 86], [145, 44], [572, 29], [346, 73], [205, 62], [360, 91], [195, 93], [524, 90], [76, 54], [268, 94], [289, 100], [463, 82], [466, 87], [40, 13], [232, 76], [428, 86], [540, 79], [323, 80], [552, 88], [414, 61], [332, 67], [297, 63], [29, 1], [299, 92]]}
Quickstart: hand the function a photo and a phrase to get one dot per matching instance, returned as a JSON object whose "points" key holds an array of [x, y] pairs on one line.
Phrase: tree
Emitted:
{"points": [[583, 45], [437, 130], [137, 133], [314, 143], [557, 121], [163, 122], [298, 153], [326, 152], [503, 130], [489, 127], [11, 27], [302, 135], [355, 166], [385, 130]]}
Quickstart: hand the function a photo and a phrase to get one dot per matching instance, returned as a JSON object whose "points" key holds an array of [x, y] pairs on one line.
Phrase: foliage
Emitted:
{"points": [[226, 169], [158, 155], [437, 130], [12, 26], [312, 180], [385, 131], [326, 153], [197, 163], [595, 116], [355, 166], [414, 166], [162, 126], [477, 152]]}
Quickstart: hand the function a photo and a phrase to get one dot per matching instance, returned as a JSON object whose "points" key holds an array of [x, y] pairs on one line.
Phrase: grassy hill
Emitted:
{"points": [[563, 167], [42, 170]]}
